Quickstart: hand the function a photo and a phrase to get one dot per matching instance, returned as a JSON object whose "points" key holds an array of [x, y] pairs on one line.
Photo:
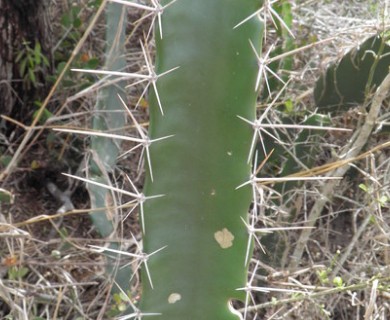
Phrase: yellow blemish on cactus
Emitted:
{"points": [[174, 297], [224, 238]]}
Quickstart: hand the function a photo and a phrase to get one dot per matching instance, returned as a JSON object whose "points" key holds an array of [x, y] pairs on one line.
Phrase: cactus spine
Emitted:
{"points": [[198, 222]]}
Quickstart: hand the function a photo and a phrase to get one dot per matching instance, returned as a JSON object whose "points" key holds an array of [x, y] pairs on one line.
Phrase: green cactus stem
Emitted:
{"points": [[199, 220], [105, 150], [351, 80]]}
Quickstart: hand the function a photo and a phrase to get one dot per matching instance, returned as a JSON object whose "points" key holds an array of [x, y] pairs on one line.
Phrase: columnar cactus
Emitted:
{"points": [[198, 223], [105, 150]]}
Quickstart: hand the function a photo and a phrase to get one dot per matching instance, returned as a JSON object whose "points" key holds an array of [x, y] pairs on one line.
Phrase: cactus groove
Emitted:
{"points": [[198, 220]]}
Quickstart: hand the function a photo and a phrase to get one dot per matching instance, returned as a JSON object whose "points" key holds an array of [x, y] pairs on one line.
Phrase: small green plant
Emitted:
{"points": [[73, 24], [71, 20], [32, 64], [46, 115], [338, 282], [323, 276], [17, 272], [382, 198], [120, 304]]}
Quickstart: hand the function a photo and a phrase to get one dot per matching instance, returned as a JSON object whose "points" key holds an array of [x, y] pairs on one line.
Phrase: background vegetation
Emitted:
{"points": [[322, 246]]}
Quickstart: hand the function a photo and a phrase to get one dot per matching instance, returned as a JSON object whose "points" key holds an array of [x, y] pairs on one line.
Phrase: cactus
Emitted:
{"points": [[105, 150], [197, 224], [350, 81]]}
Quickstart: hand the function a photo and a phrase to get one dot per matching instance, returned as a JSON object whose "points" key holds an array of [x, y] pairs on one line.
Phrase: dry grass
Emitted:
{"points": [[339, 269]]}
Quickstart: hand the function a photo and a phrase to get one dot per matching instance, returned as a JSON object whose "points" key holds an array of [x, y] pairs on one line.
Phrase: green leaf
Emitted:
{"points": [[338, 282], [289, 106], [66, 20], [5, 160], [15, 273], [77, 22], [117, 298], [61, 66], [22, 67], [6, 196], [363, 187], [75, 11], [30, 61], [20, 55], [31, 75], [37, 103], [122, 307], [123, 296], [45, 61], [23, 271], [383, 200], [94, 3], [92, 63], [37, 53], [46, 114], [323, 276]]}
